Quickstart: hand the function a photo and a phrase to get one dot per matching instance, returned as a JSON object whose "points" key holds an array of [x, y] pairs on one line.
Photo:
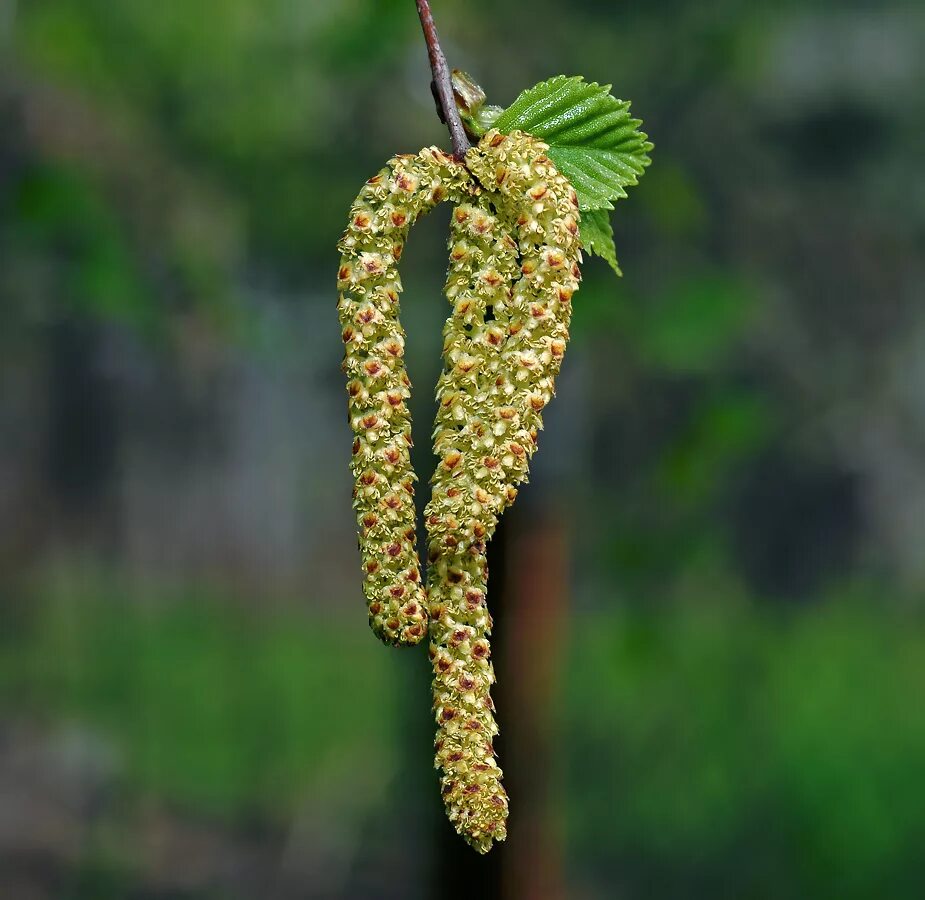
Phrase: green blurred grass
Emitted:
{"points": [[781, 753], [709, 747], [219, 708]]}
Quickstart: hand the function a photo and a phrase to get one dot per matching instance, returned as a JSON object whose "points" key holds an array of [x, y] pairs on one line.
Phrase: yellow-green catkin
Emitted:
{"points": [[514, 257], [377, 383], [483, 267]]}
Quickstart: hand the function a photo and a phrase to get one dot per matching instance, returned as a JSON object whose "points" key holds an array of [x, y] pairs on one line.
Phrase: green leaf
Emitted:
{"points": [[593, 139], [597, 236]]}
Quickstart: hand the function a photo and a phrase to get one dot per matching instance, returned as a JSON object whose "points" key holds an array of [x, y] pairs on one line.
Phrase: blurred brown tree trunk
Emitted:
{"points": [[528, 591], [534, 586]]}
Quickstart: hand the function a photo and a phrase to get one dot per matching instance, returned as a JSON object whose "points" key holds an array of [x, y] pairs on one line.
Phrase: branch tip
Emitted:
{"points": [[442, 86]]}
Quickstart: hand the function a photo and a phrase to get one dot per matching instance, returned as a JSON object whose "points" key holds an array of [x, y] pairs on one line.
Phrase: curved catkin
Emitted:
{"points": [[483, 266], [513, 270], [504, 344], [377, 383]]}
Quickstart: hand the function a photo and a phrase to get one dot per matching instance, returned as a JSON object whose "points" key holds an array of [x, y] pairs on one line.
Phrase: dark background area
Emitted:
{"points": [[711, 598]]}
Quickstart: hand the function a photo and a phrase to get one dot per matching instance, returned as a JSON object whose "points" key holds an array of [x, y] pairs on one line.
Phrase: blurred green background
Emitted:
{"points": [[711, 598]]}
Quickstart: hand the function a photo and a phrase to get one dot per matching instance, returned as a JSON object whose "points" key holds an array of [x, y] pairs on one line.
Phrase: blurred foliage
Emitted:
{"points": [[753, 755], [209, 703], [59, 213], [710, 749]]}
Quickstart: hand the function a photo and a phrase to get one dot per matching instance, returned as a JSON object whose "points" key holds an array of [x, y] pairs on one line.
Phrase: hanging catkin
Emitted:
{"points": [[482, 270], [514, 256], [378, 387]]}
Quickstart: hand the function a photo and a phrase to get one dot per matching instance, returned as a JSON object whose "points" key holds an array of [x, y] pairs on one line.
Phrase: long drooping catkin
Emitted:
{"points": [[483, 267], [504, 343], [378, 387]]}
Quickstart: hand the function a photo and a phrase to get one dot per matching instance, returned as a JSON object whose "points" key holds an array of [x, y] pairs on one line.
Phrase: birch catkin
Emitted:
{"points": [[378, 387], [482, 270], [514, 257]]}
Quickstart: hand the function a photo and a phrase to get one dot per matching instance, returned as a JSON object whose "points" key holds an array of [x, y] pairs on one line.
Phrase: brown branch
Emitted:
{"points": [[441, 85]]}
